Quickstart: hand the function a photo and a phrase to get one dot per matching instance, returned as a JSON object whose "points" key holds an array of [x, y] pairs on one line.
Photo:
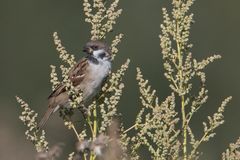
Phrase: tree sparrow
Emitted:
{"points": [[87, 75]]}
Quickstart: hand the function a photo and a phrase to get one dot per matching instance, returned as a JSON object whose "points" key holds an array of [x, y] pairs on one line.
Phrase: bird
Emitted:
{"points": [[87, 76]]}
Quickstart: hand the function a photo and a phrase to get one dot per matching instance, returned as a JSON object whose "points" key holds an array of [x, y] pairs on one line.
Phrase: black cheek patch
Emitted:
{"points": [[102, 55]]}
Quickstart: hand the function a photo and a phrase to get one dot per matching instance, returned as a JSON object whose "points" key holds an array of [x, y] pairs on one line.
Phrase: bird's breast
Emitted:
{"points": [[96, 73]]}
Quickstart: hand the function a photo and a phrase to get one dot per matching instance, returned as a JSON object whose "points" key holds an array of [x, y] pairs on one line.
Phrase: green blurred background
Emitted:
{"points": [[27, 50]]}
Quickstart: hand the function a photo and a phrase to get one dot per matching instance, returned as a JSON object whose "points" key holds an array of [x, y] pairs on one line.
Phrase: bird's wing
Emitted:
{"points": [[59, 96], [76, 75]]}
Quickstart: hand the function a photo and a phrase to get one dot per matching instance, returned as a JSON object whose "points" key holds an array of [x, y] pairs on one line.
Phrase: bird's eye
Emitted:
{"points": [[94, 47]]}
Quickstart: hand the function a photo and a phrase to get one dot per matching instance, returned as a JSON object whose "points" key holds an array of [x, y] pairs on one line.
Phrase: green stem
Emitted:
{"points": [[95, 122], [184, 127], [90, 124], [181, 88], [94, 129], [85, 157]]}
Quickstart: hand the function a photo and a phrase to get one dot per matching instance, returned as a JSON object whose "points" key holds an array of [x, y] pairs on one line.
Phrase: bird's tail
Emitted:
{"points": [[46, 116]]}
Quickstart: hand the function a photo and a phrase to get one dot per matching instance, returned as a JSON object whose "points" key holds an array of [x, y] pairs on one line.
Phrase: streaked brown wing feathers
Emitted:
{"points": [[76, 75], [59, 89]]}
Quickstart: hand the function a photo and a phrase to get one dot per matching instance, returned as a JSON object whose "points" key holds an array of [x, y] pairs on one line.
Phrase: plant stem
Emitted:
{"points": [[184, 127], [198, 143], [75, 131], [95, 122], [130, 128], [94, 129], [181, 87], [73, 128], [85, 157], [90, 124]]}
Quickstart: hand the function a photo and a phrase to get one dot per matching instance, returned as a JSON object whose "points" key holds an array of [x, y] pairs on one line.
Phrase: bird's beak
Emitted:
{"points": [[88, 50]]}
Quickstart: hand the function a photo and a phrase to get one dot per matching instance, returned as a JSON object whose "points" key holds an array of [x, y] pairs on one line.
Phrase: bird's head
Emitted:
{"points": [[98, 50]]}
